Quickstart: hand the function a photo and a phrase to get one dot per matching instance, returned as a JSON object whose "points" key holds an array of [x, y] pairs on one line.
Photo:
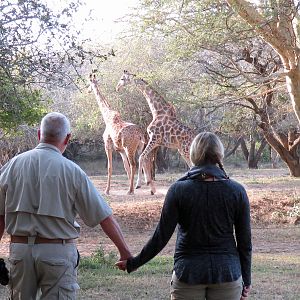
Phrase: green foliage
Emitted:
{"points": [[98, 260], [18, 105], [234, 120], [40, 44], [39, 48], [158, 265]]}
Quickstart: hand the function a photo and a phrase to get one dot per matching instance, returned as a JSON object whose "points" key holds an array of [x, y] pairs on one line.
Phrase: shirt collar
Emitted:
{"points": [[47, 146]]}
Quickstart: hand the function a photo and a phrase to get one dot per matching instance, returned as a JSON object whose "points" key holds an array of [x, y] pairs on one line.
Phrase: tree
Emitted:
{"points": [[277, 23], [18, 105], [38, 47], [235, 68], [253, 155], [39, 43]]}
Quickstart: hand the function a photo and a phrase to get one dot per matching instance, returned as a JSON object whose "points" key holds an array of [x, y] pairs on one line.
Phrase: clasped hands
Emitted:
{"points": [[121, 264]]}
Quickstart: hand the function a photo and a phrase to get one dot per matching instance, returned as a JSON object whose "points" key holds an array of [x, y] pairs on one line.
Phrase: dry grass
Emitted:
{"points": [[274, 198]]}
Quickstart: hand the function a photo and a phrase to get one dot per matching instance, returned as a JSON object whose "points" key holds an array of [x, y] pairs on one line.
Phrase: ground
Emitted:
{"points": [[273, 194], [274, 198]]}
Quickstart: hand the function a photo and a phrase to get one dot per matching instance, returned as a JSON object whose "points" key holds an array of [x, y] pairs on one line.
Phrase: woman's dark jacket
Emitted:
{"points": [[214, 235]]}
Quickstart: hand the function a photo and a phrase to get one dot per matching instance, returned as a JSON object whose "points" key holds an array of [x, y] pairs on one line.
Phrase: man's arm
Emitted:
{"points": [[162, 234], [2, 226], [113, 231]]}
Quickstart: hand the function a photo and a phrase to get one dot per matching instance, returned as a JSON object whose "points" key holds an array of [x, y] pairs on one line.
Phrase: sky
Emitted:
{"points": [[104, 13]]}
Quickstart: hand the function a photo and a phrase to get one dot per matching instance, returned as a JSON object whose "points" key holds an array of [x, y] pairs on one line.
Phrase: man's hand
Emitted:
{"points": [[122, 265], [245, 292]]}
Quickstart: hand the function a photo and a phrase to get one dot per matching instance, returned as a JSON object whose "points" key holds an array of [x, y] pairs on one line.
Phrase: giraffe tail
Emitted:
{"points": [[142, 144]]}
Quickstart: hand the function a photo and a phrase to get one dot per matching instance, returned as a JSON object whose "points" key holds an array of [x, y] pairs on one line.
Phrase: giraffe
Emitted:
{"points": [[165, 129], [126, 138]]}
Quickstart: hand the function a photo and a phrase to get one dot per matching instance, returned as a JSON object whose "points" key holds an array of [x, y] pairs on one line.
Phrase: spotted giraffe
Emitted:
{"points": [[126, 138], [165, 128]]}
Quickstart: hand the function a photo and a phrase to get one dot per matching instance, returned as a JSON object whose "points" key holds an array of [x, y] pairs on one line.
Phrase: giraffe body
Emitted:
{"points": [[165, 128], [126, 138]]}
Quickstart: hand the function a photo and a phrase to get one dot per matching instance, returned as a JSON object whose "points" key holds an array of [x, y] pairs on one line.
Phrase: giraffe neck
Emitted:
{"points": [[104, 106], [158, 105]]}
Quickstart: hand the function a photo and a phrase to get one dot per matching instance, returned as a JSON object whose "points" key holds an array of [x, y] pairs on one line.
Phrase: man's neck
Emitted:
{"points": [[60, 146]]}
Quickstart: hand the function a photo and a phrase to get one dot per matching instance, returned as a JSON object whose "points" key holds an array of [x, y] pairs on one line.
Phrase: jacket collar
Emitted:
{"points": [[202, 172]]}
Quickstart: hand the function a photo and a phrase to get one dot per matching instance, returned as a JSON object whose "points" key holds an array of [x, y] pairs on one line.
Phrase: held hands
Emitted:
{"points": [[122, 265], [245, 292]]}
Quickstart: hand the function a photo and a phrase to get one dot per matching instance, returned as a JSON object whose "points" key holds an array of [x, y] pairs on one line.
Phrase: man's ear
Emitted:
{"points": [[67, 138], [39, 134]]}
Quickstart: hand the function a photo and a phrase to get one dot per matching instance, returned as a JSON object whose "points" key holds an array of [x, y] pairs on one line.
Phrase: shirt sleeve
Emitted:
{"points": [[3, 188], [243, 237], [162, 234], [90, 205], [2, 201]]}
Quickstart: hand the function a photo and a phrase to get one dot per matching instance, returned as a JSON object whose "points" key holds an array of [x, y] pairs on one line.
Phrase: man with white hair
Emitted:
{"points": [[41, 192]]}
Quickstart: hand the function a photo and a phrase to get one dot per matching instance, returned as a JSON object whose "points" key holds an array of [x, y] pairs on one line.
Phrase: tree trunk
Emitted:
{"points": [[255, 155], [293, 165], [295, 170], [232, 151], [291, 155], [244, 148], [252, 162], [293, 86], [274, 158], [161, 161]]}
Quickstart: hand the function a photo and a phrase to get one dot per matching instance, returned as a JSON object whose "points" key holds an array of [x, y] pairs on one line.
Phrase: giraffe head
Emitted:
{"points": [[125, 79]]}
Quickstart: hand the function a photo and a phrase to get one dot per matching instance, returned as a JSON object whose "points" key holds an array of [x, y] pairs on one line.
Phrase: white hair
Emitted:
{"points": [[55, 127]]}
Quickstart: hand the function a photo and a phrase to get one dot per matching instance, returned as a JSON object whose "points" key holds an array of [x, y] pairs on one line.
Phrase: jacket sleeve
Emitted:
{"points": [[243, 237], [162, 234]]}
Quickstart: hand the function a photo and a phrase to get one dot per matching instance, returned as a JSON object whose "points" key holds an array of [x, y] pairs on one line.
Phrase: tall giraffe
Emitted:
{"points": [[126, 138], [165, 129]]}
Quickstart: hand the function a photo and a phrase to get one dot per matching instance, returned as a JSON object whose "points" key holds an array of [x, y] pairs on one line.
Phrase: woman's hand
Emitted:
{"points": [[245, 292]]}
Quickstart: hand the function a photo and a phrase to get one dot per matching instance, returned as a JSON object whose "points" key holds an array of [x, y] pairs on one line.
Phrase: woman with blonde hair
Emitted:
{"points": [[213, 250]]}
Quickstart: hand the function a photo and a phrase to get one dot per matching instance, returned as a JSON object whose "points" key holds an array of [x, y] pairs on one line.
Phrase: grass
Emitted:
{"points": [[99, 279], [276, 260], [275, 276]]}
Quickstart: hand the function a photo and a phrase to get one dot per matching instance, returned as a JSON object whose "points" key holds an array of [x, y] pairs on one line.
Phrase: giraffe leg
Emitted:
{"points": [[144, 165], [145, 162], [132, 165], [109, 169], [140, 167], [139, 176], [125, 163]]}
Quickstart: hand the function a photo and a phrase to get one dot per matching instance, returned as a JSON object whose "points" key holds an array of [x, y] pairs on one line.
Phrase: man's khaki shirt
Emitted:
{"points": [[41, 192]]}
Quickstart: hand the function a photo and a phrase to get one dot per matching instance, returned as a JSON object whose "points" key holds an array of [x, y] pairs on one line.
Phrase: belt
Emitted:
{"points": [[38, 240]]}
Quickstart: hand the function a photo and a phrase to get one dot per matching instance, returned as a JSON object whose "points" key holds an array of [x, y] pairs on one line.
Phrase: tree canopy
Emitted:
{"points": [[277, 22], [230, 68], [39, 47]]}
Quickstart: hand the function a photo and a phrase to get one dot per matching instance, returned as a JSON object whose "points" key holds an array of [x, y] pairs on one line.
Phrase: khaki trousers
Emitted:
{"points": [[43, 271], [222, 291]]}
